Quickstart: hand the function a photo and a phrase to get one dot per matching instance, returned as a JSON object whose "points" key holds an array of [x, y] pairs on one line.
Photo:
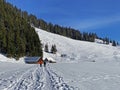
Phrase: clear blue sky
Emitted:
{"points": [[100, 16]]}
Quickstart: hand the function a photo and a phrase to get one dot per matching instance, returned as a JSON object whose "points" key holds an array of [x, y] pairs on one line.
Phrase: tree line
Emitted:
{"points": [[17, 37], [64, 31]]}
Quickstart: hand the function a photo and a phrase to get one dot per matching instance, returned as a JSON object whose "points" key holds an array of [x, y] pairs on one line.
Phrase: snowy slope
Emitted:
{"points": [[86, 66], [79, 50], [96, 66]]}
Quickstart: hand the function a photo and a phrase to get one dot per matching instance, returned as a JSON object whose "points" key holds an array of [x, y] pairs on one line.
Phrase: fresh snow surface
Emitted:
{"points": [[83, 66]]}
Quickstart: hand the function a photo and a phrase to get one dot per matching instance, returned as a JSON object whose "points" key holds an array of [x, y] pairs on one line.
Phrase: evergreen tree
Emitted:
{"points": [[106, 40], [117, 44], [17, 37], [53, 49], [46, 48], [114, 43], [110, 41]]}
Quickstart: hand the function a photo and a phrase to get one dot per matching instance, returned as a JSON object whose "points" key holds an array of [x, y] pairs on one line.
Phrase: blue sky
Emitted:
{"points": [[99, 16]]}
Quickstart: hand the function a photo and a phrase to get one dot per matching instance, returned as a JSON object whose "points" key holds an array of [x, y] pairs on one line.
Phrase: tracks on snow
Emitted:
{"points": [[36, 78], [57, 82], [30, 80]]}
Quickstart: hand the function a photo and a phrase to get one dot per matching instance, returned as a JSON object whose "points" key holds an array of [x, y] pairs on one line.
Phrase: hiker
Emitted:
{"points": [[40, 65], [40, 62], [45, 61]]}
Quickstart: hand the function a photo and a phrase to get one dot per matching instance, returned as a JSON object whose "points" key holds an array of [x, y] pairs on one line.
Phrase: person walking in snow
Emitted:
{"points": [[40, 61], [45, 61], [40, 65]]}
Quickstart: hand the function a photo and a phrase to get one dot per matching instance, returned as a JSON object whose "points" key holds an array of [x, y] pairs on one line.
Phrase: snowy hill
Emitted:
{"points": [[77, 51], [96, 66], [80, 66]]}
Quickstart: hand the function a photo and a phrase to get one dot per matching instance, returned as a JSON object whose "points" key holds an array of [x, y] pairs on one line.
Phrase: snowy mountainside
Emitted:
{"points": [[77, 51], [85, 66]]}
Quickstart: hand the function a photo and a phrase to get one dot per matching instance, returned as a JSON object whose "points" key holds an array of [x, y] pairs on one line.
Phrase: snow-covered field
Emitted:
{"points": [[29, 77], [90, 76], [85, 66]]}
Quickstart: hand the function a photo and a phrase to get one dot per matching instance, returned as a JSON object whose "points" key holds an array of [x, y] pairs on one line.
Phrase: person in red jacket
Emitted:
{"points": [[40, 61]]}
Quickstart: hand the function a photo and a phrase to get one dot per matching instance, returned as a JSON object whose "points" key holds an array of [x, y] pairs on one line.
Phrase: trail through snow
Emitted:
{"points": [[35, 78]]}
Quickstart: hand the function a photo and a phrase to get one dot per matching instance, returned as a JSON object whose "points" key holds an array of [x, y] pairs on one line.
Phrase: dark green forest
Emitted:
{"points": [[17, 37]]}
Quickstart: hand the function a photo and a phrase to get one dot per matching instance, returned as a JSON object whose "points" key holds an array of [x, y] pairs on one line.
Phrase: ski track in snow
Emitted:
{"points": [[57, 82], [35, 78]]}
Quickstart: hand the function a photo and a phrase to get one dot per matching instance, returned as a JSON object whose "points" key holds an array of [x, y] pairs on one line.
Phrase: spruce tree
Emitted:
{"points": [[114, 43], [46, 48], [17, 37], [53, 49]]}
